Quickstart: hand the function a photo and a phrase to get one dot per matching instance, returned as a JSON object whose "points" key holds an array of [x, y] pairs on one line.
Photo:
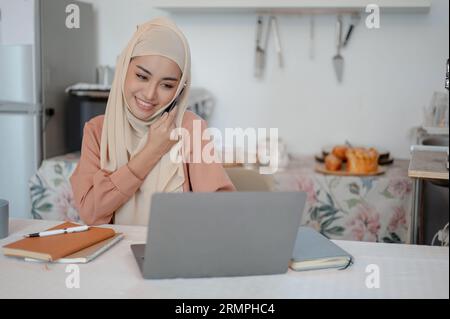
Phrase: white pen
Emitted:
{"points": [[59, 231]]}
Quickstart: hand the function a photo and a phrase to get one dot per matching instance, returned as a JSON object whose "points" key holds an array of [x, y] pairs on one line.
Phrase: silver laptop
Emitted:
{"points": [[220, 234]]}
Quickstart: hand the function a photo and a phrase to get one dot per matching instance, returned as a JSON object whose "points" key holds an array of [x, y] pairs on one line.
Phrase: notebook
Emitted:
{"points": [[88, 254], [55, 247], [314, 251]]}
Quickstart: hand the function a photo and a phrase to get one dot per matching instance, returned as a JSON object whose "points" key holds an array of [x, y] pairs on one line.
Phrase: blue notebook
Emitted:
{"points": [[315, 251]]}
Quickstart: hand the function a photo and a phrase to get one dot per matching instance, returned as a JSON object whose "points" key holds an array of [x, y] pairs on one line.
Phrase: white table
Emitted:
{"points": [[405, 271]]}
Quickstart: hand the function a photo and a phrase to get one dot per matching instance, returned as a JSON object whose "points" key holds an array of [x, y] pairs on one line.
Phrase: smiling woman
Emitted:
{"points": [[150, 84], [125, 154]]}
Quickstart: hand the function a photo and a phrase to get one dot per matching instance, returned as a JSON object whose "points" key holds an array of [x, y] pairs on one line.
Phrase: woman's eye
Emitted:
{"points": [[167, 86], [141, 77]]}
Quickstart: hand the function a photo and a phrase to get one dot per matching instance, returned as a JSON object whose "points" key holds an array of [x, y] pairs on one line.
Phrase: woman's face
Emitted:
{"points": [[150, 84]]}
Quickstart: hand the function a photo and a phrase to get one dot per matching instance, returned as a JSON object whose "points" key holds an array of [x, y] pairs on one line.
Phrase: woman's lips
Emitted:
{"points": [[144, 105]]}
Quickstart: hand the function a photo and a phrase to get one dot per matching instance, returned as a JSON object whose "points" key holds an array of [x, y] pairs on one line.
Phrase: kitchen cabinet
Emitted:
{"points": [[428, 168], [289, 6]]}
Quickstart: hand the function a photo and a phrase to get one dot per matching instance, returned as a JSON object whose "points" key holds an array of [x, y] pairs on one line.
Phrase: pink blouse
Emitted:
{"points": [[98, 193]]}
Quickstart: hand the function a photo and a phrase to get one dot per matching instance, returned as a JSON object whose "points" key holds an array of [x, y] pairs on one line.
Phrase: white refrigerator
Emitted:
{"points": [[39, 58]]}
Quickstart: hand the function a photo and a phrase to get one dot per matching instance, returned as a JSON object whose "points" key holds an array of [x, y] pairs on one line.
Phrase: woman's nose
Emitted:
{"points": [[150, 92]]}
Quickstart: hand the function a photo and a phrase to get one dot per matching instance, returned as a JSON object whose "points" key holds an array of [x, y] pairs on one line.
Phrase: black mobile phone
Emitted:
{"points": [[173, 104]]}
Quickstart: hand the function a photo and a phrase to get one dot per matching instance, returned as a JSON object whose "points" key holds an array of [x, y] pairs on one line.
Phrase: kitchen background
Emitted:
{"points": [[389, 75]]}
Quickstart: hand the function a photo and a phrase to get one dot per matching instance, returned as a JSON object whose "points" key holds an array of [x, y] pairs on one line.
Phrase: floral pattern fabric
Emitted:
{"points": [[51, 192], [374, 209]]}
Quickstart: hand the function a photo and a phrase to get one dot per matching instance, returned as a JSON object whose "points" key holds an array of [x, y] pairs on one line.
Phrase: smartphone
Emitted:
{"points": [[173, 104]]}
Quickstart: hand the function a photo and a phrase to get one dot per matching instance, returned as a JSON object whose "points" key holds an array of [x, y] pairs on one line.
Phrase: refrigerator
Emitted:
{"points": [[39, 58]]}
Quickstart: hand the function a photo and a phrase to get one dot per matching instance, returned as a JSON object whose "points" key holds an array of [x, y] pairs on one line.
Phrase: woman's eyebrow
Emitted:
{"points": [[150, 73]]}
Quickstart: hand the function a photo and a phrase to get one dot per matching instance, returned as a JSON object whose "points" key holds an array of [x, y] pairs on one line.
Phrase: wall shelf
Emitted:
{"points": [[290, 6]]}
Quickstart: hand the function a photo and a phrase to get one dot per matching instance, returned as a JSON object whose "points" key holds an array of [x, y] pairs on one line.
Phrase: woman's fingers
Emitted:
{"points": [[173, 113], [161, 120], [173, 134], [165, 120], [168, 121]]}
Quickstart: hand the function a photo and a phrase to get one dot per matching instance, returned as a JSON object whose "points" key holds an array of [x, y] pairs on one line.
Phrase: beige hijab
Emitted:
{"points": [[124, 135]]}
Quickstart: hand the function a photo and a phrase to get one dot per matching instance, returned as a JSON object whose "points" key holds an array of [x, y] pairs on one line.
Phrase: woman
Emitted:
{"points": [[125, 155]]}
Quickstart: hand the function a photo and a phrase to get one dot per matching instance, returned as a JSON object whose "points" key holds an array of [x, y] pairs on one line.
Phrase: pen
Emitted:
{"points": [[59, 231]]}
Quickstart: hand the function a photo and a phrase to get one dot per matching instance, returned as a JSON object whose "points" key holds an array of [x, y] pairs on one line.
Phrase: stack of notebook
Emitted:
{"points": [[80, 247]]}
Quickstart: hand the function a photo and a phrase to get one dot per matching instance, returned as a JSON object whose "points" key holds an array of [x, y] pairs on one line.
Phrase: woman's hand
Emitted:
{"points": [[158, 140], [158, 144]]}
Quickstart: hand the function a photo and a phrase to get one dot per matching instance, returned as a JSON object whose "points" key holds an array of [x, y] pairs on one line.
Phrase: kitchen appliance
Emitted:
{"points": [[431, 204], [435, 196], [105, 75], [39, 57], [82, 108], [201, 102]]}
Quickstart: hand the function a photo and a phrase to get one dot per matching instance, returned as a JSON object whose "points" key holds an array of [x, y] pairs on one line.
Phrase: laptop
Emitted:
{"points": [[195, 235]]}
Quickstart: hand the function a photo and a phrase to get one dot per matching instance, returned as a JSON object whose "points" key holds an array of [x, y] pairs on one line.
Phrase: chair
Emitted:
{"points": [[250, 180]]}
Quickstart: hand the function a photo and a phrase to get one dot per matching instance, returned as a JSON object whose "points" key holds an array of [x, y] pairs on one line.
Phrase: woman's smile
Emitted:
{"points": [[144, 106]]}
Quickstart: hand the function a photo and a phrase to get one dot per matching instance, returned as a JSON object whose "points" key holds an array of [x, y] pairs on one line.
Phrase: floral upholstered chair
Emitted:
{"points": [[51, 192]]}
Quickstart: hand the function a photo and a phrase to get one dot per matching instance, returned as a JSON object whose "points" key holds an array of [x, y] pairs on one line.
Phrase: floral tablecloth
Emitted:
{"points": [[376, 208]]}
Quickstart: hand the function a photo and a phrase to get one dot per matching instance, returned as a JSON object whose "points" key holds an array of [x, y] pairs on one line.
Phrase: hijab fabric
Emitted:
{"points": [[124, 135]]}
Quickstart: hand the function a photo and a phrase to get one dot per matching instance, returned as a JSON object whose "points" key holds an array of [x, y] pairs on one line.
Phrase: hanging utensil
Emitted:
{"points": [[338, 60], [356, 17], [266, 36], [274, 23], [348, 144], [259, 53], [312, 28]]}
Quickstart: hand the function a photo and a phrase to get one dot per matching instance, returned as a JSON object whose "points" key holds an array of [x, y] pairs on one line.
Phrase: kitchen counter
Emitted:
{"points": [[428, 165]]}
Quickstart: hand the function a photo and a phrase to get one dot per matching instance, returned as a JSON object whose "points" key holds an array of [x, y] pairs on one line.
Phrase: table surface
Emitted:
{"points": [[427, 164], [405, 271]]}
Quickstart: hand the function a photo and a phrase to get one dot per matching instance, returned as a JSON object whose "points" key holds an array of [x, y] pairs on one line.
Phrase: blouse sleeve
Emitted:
{"points": [[99, 193]]}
